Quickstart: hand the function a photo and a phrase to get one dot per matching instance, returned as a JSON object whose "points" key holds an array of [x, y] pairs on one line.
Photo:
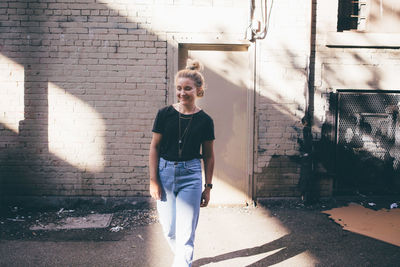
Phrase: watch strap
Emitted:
{"points": [[208, 185]]}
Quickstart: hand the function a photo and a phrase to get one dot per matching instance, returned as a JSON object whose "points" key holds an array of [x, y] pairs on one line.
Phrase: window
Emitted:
{"points": [[379, 16], [352, 15]]}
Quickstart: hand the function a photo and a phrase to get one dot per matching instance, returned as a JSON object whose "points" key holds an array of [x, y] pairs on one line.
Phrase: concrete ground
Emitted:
{"points": [[277, 233]]}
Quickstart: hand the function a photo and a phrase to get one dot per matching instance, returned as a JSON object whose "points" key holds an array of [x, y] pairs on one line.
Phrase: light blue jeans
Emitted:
{"points": [[179, 206]]}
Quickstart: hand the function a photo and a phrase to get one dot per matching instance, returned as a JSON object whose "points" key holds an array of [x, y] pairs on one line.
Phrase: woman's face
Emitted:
{"points": [[186, 91]]}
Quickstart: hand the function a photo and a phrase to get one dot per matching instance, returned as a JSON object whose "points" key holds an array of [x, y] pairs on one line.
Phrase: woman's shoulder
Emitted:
{"points": [[204, 115], [166, 109]]}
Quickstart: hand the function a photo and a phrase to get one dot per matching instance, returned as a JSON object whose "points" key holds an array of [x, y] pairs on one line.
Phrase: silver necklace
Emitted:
{"points": [[181, 137]]}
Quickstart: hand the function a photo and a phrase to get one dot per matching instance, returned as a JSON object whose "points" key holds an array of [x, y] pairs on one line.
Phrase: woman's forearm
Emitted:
{"points": [[155, 188], [154, 156], [209, 169], [153, 163]]}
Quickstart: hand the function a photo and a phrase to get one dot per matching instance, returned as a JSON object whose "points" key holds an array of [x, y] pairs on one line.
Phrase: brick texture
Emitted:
{"points": [[81, 81], [80, 85], [281, 101]]}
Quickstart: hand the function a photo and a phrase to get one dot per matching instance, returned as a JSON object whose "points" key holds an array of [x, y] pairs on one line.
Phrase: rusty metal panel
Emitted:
{"points": [[368, 141]]}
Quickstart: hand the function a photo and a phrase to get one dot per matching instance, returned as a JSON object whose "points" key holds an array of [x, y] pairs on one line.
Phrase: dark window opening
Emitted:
{"points": [[351, 15]]}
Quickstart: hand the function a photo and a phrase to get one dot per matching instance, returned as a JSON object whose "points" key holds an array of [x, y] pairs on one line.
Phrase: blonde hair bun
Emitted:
{"points": [[194, 65], [193, 72]]}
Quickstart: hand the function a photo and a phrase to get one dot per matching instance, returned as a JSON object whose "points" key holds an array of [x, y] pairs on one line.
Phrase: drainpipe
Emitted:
{"points": [[308, 182], [249, 35]]}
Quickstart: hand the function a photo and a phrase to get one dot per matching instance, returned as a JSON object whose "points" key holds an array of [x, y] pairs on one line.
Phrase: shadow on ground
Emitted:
{"points": [[314, 234], [15, 222], [309, 238]]}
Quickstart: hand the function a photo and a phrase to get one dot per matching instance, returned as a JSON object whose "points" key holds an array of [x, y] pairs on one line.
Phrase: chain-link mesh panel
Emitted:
{"points": [[368, 138]]}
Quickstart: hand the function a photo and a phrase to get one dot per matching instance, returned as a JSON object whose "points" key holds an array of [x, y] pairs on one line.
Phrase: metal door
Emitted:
{"points": [[227, 99]]}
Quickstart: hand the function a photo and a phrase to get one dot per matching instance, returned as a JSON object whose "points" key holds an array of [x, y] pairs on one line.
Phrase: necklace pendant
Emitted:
{"points": [[180, 141]]}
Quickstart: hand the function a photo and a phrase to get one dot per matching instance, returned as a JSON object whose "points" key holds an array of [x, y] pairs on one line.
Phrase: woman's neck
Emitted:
{"points": [[186, 109]]}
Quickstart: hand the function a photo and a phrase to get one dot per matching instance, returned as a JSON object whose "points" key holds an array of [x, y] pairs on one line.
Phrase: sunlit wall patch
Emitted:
{"points": [[76, 130], [11, 93]]}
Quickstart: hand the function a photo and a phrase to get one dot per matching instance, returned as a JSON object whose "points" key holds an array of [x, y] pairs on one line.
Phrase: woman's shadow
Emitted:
{"points": [[285, 244]]}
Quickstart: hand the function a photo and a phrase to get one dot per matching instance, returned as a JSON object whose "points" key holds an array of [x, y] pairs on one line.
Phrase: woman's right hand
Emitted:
{"points": [[155, 189]]}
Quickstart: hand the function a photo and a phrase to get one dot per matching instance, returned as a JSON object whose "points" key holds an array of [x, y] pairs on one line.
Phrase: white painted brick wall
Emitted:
{"points": [[96, 76], [97, 73], [282, 61], [100, 64]]}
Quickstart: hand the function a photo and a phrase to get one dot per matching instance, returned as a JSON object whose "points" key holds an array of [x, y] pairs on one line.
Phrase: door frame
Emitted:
{"points": [[174, 41]]}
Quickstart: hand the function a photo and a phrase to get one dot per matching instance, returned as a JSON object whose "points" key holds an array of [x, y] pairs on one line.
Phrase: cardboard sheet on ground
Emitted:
{"points": [[382, 224], [89, 221]]}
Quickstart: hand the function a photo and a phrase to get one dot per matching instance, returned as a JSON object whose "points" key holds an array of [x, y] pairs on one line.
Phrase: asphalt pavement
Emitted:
{"points": [[275, 233]]}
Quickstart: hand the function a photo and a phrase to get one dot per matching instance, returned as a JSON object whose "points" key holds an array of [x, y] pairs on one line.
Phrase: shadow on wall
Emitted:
{"points": [[111, 64], [79, 62], [362, 126], [113, 68], [366, 153], [384, 15], [93, 81]]}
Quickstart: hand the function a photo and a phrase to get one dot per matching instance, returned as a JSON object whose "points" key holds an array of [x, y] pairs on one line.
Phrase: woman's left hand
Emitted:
{"points": [[205, 197]]}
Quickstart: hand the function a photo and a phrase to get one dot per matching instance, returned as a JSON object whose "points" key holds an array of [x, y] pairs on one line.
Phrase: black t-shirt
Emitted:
{"points": [[200, 129]]}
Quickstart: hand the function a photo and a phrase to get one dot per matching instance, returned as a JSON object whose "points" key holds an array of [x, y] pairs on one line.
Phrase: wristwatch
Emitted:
{"points": [[208, 185]]}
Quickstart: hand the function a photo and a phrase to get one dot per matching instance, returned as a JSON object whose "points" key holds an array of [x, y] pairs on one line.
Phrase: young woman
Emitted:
{"points": [[180, 131]]}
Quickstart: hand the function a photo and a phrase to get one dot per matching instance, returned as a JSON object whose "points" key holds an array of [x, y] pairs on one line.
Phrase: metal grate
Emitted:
{"points": [[368, 139]]}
